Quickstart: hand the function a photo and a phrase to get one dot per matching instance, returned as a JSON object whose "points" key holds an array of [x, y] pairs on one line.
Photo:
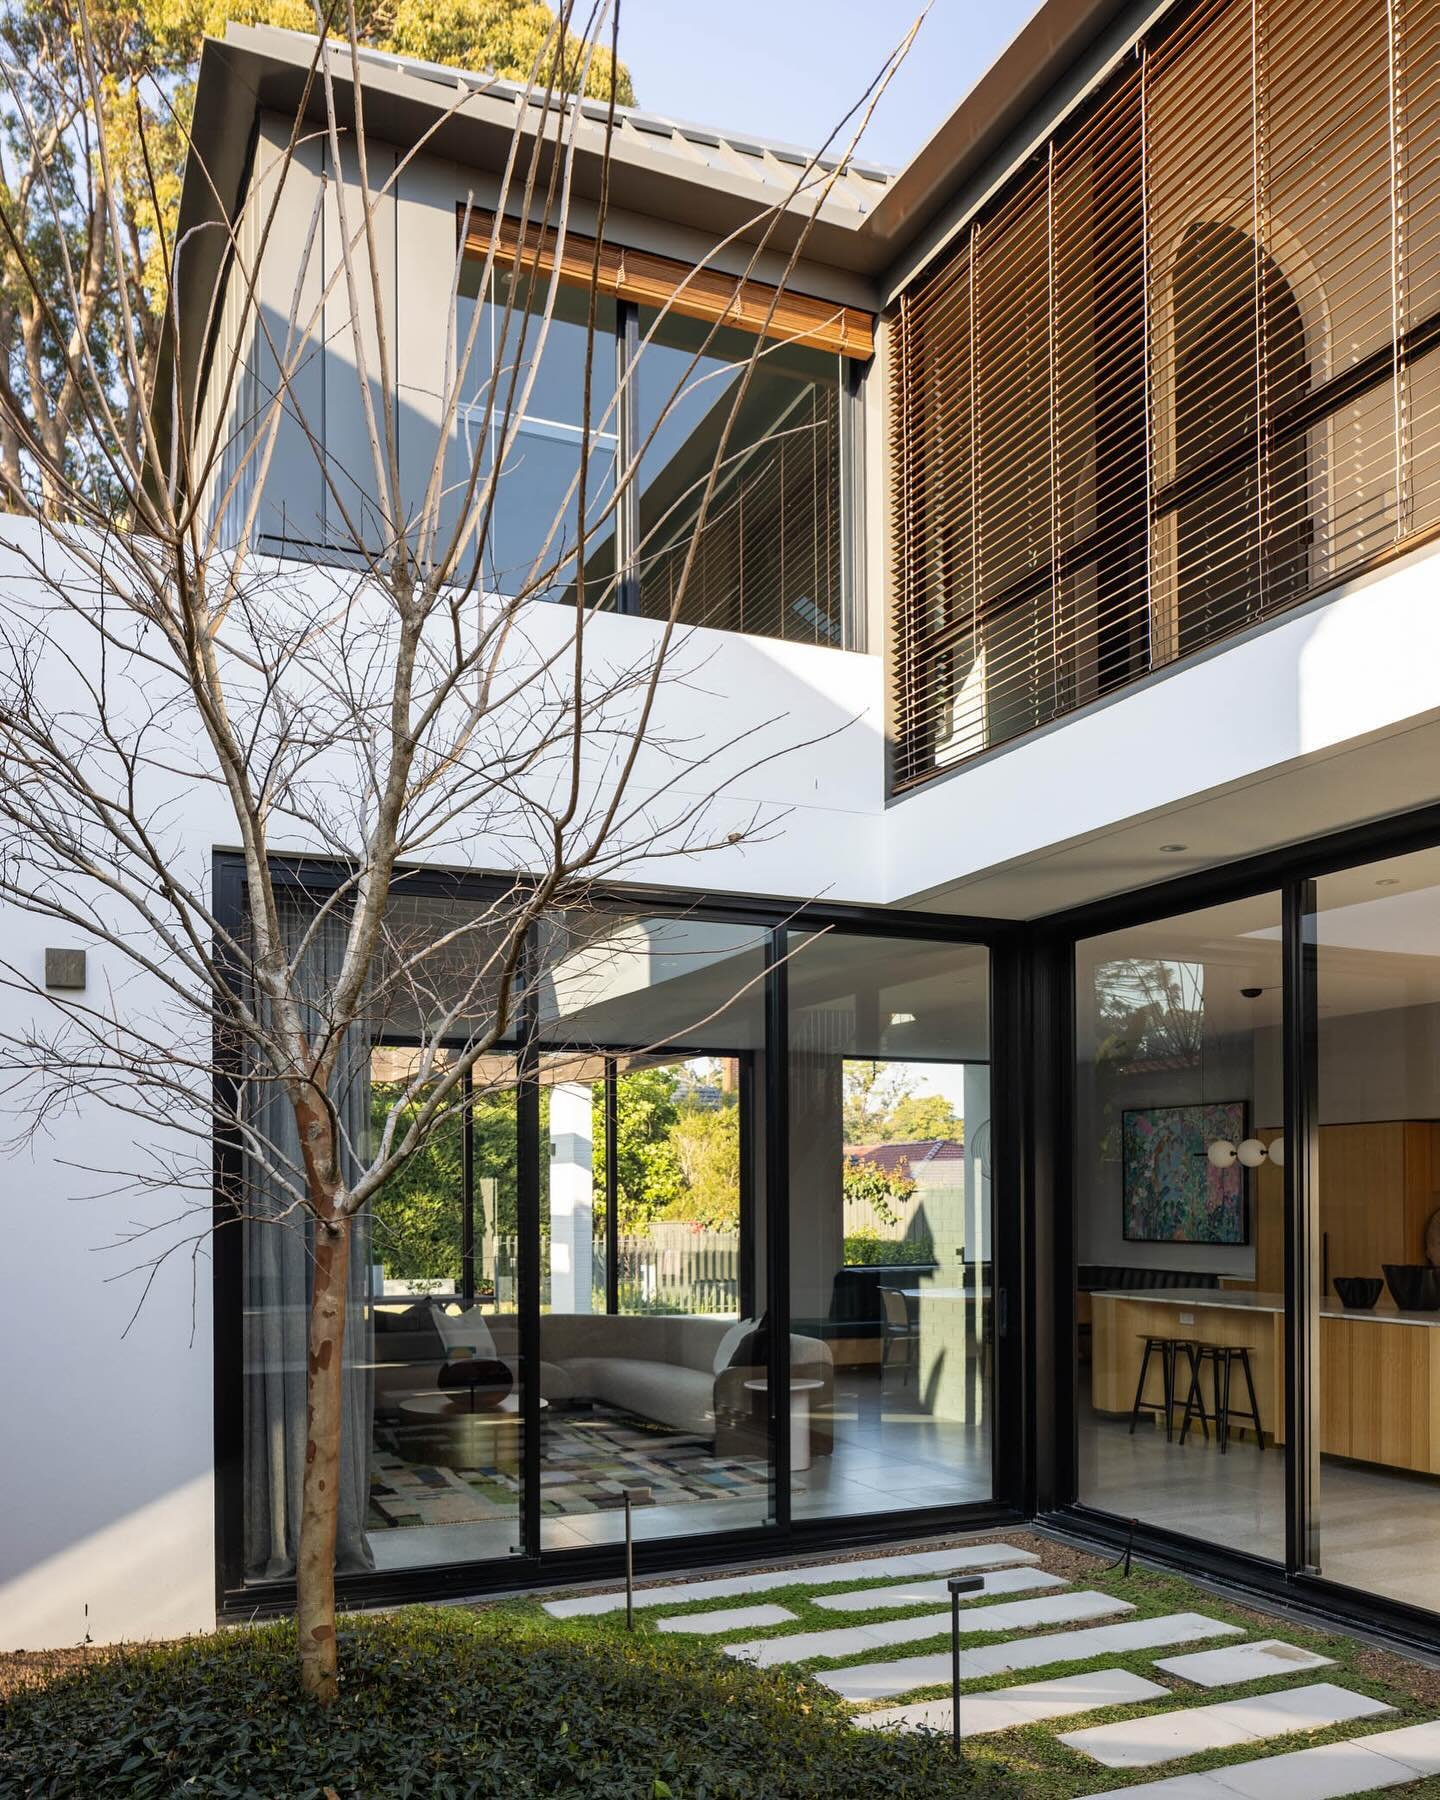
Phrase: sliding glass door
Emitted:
{"points": [[1256, 1211], [578, 1302], [1179, 1224], [653, 1333], [890, 1164], [1376, 935]]}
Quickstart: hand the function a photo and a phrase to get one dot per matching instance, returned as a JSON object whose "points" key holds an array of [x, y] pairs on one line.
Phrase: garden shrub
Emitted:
{"points": [[446, 1704], [865, 1249]]}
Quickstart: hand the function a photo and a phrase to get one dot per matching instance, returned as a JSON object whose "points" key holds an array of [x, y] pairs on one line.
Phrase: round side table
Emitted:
{"points": [[800, 1391]]}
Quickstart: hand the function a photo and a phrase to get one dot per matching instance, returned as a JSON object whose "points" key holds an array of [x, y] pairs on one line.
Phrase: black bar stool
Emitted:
{"points": [[1166, 1349], [1221, 1359]]}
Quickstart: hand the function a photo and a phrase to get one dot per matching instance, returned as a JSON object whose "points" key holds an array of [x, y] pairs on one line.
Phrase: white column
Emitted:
{"points": [[572, 1197]]}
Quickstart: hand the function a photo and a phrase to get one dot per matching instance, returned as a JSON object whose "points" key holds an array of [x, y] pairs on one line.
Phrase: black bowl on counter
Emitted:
{"points": [[1415, 1287], [1358, 1293]]}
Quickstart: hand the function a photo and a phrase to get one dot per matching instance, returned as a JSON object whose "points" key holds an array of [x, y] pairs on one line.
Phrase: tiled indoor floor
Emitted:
{"points": [[1379, 1528]]}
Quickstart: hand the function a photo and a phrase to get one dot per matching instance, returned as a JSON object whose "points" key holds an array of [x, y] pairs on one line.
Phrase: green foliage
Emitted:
{"points": [[866, 1249], [917, 1118], [884, 1191], [417, 1220], [706, 1144], [650, 1178], [882, 1106], [444, 1704], [57, 192]]}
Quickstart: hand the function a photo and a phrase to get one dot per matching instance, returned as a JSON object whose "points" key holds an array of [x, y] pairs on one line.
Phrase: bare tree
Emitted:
{"points": [[386, 711]]}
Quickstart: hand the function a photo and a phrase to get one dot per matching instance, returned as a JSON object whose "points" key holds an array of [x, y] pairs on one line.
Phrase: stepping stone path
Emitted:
{"points": [[871, 1568], [1383, 1759], [849, 1640], [916, 1593], [1249, 1662], [1359, 1765], [1029, 1704], [1164, 1737], [887, 1681], [729, 1618]]}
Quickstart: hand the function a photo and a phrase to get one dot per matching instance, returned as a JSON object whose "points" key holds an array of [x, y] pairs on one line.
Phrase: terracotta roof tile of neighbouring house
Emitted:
{"points": [[938, 1156]]}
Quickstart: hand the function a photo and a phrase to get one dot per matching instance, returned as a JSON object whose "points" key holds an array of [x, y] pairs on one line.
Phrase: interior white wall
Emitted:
{"points": [[1373, 1067]]}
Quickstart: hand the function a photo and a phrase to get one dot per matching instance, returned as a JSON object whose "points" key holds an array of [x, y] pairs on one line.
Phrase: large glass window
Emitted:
{"points": [[526, 419], [673, 402], [654, 1347], [1179, 1222], [767, 558], [433, 1425], [1377, 1220], [890, 1224], [604, 1162]]}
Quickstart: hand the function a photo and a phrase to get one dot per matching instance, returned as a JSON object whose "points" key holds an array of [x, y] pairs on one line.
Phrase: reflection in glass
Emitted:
{"points": [[1377, 932], [767, 559], [890, 1196], [1181, 1246], [432, 1439], [652, 1330], [526, 377]]}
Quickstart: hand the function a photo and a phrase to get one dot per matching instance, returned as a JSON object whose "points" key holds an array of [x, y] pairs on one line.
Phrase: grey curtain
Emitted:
{"points": [[277, 1259]]}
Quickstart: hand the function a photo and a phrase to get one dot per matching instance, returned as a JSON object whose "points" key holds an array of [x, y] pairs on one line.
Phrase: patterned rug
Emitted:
{"points": [[589, 1461]]}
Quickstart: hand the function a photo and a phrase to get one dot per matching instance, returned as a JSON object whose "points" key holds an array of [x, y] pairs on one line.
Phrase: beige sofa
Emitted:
{"points": [[674, 1370]]}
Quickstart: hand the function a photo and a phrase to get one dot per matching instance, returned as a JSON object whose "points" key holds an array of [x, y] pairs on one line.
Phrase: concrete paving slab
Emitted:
{"points": [[853, 1640], [916, 1593], [1244, 1662], [729, 1618], [1165, 1737], [900, 1566], [1028, 1704], [888, 1681]]}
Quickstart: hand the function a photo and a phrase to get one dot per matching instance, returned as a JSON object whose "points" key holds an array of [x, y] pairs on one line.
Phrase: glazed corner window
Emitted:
{"points": [[718, 484]]}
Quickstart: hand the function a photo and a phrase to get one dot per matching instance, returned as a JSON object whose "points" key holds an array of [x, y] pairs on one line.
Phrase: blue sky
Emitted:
{"points": [[792, 68]]}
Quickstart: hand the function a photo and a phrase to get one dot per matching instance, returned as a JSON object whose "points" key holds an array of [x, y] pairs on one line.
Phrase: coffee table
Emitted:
{"points": [[449, 1432], [801, 1388]]}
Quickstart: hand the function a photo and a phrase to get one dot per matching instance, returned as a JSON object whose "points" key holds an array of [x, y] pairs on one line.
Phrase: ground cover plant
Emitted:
{"points": [[446, 1704]]}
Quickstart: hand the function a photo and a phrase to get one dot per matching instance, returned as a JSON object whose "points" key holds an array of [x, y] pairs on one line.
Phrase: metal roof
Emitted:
{"points": [[773, 160]]}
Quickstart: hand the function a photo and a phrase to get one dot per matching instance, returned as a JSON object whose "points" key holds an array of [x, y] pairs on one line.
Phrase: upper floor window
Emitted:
{"points": [[1182, 372], [713, 483]]}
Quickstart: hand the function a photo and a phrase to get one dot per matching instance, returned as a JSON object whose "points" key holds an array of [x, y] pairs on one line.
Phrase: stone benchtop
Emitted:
{"points": [[1245, 1300]]}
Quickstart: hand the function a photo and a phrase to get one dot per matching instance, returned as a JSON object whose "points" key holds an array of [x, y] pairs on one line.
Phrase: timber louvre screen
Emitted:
{"points": [[1182, 373]]}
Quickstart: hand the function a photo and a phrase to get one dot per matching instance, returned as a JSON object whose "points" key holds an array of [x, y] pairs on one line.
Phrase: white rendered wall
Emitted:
{"points": [[107, 1512], [107, 1474], [1359, 664], [106, 1483]]}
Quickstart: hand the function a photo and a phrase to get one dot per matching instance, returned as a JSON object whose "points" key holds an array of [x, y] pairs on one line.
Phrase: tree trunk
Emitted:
{"points": [[320, 1494]]}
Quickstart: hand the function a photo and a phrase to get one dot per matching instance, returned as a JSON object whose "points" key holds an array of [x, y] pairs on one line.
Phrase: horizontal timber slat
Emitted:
{"points": [[647, 279]]}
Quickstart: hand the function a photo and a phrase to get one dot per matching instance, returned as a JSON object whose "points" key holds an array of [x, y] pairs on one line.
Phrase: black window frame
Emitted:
{"points": [[532, 1565], [1292, 873]]}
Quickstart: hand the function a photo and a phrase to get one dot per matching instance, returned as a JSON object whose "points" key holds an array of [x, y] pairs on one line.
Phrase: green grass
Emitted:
{"points": [[1046, 1768]]}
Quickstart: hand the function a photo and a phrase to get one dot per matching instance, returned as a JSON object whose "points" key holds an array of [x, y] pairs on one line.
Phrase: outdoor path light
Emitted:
{"points": [[958, 1585]]}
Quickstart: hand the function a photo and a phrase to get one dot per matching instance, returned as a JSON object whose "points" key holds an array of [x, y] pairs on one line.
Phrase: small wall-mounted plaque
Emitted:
{"points": [[65, 969]]}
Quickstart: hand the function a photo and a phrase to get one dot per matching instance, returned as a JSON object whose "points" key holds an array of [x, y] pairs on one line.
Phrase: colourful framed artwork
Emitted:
{"points": [[1173, 1193]]}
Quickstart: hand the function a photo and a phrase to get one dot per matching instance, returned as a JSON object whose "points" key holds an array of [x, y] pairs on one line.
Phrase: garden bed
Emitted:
{"points": [[439, 1703]]}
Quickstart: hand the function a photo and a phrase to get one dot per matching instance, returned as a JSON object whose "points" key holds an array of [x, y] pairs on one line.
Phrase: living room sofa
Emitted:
{"points": [[675, 1370]]}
